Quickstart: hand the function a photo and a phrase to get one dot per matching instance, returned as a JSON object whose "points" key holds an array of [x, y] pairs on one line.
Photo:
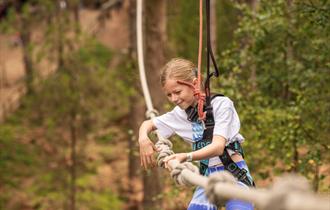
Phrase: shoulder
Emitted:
{"points": [[176, 112], [222, 102]]}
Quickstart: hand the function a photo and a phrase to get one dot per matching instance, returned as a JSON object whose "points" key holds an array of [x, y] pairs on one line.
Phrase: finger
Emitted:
{"points": [[155, 148], [145, 163], [153, 162], [148, 158], [166, 166], [168, 158]]}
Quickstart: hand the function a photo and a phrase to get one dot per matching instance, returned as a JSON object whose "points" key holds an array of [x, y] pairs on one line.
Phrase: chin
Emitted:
{"points": [[183, 106]]}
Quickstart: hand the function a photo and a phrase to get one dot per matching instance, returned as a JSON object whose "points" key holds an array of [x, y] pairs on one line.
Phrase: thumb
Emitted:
{"points": [[155, 148]]}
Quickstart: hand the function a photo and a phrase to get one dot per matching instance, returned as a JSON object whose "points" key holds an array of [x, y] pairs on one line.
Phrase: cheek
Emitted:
{"points": [[189, 95]]}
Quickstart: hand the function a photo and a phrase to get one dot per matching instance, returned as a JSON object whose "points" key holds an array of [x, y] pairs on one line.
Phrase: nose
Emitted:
{"points": [[174, 98]]}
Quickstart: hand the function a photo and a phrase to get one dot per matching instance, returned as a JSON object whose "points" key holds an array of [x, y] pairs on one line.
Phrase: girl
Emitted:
{"points": [[226, 131]]}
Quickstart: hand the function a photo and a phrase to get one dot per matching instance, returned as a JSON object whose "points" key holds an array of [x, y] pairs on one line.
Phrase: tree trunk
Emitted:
{"points": [[286, 94], [73, 134], [155, 38], [253, 76], [75, 6], [60, 37], [137, 107], [135, 184], [295, 157], [213, 25], [25, 36], [316, 179], [250, 65]]}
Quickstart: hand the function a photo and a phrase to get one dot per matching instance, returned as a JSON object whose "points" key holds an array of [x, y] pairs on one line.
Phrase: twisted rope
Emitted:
{"points": [[179, 179], [284, 188], [288, 193], [165, 147], [214, 179]]}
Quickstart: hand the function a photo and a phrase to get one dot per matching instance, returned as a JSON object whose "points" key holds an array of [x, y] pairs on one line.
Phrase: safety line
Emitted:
{"points": [[143, 79]]}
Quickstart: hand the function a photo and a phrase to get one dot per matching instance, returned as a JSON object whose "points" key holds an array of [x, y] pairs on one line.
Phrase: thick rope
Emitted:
{"points": [[214, 179], [143, 78], [286, 194], [177, 171]]}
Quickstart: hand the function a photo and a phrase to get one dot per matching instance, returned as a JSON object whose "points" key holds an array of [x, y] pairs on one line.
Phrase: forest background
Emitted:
{"points": [[71, 101]]}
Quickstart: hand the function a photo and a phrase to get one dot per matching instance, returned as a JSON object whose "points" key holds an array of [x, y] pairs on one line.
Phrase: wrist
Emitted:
{"points": [[189, 157], [142, 139]]}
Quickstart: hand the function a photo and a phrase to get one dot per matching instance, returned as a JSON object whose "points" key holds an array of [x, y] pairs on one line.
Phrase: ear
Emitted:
{"points": [[195, 81]]}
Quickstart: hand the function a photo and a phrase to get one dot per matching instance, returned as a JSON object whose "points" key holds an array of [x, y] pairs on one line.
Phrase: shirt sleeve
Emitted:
{"points": [[162, 124], [227, 123]]}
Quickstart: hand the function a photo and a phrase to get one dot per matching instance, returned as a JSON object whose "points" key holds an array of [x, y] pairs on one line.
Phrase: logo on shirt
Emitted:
{"points": [[198, 130]]}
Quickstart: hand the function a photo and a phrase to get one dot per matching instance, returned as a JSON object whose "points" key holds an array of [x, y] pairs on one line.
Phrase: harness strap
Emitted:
{"points": [[232, 167], [229, 164]]}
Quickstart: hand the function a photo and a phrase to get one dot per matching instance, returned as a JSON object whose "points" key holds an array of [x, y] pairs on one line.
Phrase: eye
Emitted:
{"points": [[177, 92]]}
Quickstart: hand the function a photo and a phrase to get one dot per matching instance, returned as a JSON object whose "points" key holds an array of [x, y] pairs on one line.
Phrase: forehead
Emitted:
{"points": [[171, 85]]}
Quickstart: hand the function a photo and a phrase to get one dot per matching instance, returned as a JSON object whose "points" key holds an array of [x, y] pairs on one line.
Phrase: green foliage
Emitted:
{"points": [[275, 66], [84, 93], [183, 28], [15, 158], [278, 71], [100, 200]]}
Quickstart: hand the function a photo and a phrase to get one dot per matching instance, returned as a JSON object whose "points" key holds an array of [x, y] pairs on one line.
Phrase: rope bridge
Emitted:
{"points": [[288, 193]]}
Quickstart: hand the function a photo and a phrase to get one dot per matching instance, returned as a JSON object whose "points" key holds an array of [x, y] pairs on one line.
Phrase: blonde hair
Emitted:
{"points": [[179, 69]]}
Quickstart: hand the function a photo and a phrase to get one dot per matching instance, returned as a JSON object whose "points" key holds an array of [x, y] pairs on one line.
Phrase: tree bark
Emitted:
{"points": [[213, 25], [76, 15], [253, 76], [73, 175], [25, 36], [137, 107], [155, 38], [60, 37]]}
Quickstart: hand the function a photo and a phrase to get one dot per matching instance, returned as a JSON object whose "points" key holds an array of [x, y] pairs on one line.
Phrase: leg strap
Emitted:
{"points": [[232, 167]]}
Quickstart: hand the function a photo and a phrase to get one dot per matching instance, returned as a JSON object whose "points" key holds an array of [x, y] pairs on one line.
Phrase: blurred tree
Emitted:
{"points": [[155, 37], [76, 100], [137, 107], [286, 48]]}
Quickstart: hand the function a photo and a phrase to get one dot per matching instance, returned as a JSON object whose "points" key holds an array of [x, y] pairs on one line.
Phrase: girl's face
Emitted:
{"points": [[180, 95]]}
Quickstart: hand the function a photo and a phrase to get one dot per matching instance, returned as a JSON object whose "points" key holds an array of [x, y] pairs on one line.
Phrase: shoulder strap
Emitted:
{"points": [[216, 95], [229, 164]]}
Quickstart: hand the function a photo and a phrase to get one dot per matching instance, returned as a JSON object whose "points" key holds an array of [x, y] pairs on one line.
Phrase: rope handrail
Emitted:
{"points": [[291, 192], [288, 194]]}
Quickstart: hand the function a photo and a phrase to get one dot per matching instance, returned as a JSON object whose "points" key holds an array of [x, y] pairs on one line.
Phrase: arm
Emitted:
{"points": [[216, 148], [147, 148]]}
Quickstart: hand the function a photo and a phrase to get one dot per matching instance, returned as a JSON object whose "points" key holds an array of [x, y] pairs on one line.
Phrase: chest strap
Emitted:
{"points": [[229, 164]]}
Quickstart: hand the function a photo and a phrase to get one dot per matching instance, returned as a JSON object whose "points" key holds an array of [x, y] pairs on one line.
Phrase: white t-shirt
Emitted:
{"points": [[226, 119]]}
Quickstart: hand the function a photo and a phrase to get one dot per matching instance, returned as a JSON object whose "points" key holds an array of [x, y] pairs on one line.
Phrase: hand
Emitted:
{"points": [[181, 157], [147, 150]]}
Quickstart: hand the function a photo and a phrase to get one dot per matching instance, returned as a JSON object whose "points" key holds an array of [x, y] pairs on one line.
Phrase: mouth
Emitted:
{"points": [[178, 104]]}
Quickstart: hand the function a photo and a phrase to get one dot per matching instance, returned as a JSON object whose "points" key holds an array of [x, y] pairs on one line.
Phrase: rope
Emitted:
{"points": [[289, 193], [214, 179], [200, 95], [142, 73]]}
